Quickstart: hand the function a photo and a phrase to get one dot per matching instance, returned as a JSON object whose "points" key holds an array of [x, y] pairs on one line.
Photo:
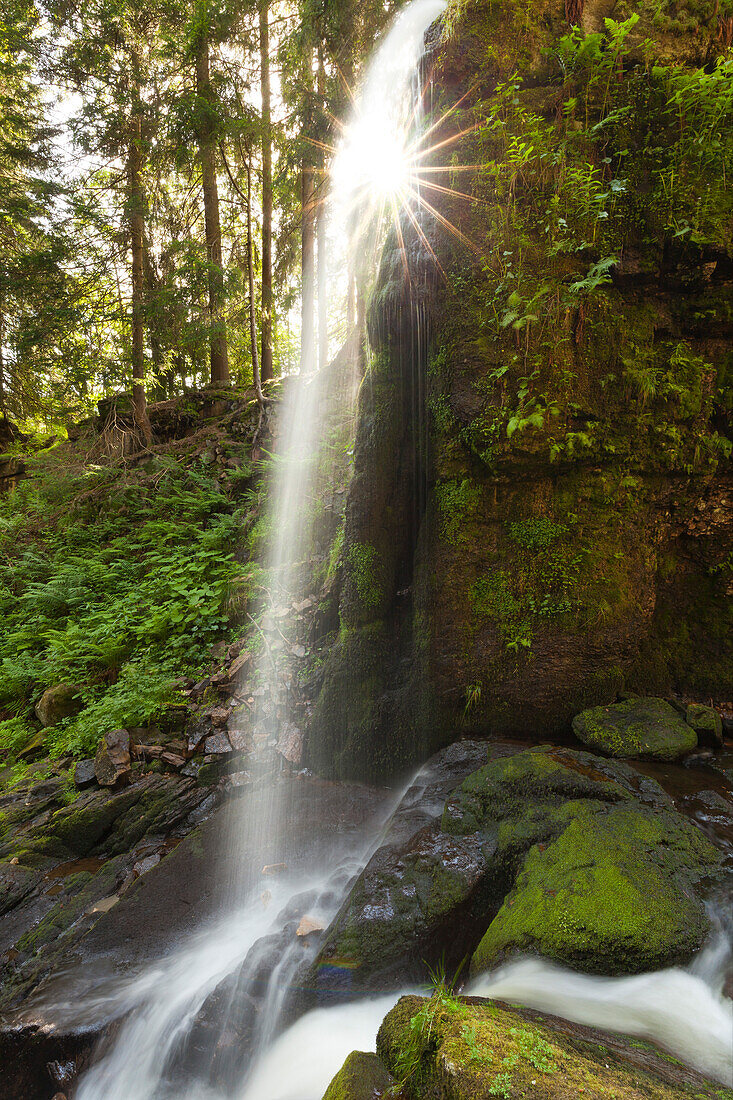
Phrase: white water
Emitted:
{"points": [[675, 1008]]}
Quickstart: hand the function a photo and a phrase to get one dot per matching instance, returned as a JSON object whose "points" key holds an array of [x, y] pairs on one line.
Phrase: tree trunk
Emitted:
{"points": [[136, 222], [267, 298], [307, 265], [322, 228], [251, 287], [207, 154]]}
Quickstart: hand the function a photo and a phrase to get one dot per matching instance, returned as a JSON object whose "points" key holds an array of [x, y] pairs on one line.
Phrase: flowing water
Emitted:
{"points": [[157, 1053], [154, 1055]]}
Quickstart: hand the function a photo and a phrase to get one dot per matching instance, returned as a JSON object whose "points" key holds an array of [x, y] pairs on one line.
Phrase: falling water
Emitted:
{"points": [[155, 1055], [252, 948]]}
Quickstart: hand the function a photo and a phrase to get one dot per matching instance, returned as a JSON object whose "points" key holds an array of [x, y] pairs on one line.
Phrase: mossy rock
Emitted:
{"points": [[614, 893], [639, 728], [706, 722], [451, 1049], [362, 1077], [519, 786]]}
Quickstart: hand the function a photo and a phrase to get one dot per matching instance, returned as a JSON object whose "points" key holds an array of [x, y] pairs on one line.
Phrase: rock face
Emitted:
{"points": [[451, 1049], [639, 728], [550, 851], [541, 505], [56, 703]]}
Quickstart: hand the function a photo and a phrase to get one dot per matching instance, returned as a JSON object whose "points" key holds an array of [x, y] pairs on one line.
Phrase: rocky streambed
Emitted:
{"points": [[495, 851]]}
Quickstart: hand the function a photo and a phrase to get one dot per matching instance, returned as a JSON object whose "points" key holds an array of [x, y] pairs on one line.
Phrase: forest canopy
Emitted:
{"points": [[161, 176]]}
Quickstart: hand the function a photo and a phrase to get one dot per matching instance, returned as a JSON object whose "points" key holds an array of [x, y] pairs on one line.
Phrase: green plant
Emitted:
{"points": [[473, 698], [119, 584], [457, 502]]}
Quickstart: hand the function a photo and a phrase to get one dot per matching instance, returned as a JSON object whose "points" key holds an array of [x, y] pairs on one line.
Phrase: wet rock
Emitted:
{"points": [[707, 724], [112, 762], [290, 744], [84, 774], [472, 1048], [638, 728], [362, 1077], [412, 889], [217, 744], [59, 702], [16, 883], [614, 893]]}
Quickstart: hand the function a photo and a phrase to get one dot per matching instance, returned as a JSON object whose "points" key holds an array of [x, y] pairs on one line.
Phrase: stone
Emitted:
{"points": [[452, 1048], [403, 903], [219, 716], [707, 724], [639, 728], [217, 744], [614, 893], [59, 702], [84, 774], [309, 925], [362, 1077], [290, 744], [112, 761]]}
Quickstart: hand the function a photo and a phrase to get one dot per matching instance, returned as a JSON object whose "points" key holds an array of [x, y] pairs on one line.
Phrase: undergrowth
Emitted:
{"points": [[118, 582]]}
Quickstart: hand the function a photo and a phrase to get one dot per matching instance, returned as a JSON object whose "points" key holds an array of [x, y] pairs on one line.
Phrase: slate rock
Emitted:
{"points": [[84, 774]]}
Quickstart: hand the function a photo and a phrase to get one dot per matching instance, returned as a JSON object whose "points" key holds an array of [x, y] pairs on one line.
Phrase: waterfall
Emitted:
{"points": [[161, 1049]]}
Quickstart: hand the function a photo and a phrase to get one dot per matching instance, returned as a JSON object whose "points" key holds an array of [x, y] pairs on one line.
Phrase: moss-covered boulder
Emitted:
{"points": [[638, 728], [362, 1077], [554, 851], [707, 724], [614, 893], [59, 702], [455, 1049]]}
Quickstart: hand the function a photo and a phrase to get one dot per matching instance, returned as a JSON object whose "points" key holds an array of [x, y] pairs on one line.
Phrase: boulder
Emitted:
{"points": [[549, 850], [59, 702], [707, 724], [465, 1049], [614, 893], [112, 762], [638, 728], [362, 1077], [403, 901]]}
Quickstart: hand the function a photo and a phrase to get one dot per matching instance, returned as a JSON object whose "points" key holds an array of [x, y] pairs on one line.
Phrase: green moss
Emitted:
{"points": [[362, 1077], [458, 502], [609, 894], [362, 564]]}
